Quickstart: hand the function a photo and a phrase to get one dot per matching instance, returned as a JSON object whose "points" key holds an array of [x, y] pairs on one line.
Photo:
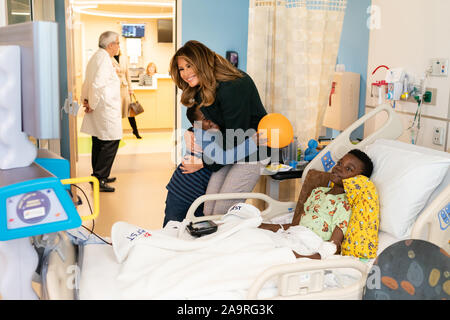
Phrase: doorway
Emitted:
{"points": [[144, 166]]}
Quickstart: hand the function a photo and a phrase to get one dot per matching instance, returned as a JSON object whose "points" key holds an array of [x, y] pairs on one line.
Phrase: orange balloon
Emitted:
{"points": [[278, 130]]}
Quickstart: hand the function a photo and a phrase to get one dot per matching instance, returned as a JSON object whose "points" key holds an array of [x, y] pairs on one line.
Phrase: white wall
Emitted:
{"points": [[411, 33]]}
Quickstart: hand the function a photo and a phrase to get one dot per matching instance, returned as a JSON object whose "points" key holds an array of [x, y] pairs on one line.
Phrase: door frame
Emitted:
{"points": [[178, 146], [71, 87]]}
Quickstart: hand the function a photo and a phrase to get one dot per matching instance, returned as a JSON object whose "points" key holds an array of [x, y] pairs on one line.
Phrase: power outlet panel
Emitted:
{"points": [[433, 97], [438, 136], [439, 67]]}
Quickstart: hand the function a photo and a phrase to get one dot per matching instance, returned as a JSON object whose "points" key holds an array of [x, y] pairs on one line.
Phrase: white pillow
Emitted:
{"points": [[405, 175]]}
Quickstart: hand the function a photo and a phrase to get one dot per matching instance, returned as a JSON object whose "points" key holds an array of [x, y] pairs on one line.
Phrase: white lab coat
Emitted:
{"points": [[101, 87]]}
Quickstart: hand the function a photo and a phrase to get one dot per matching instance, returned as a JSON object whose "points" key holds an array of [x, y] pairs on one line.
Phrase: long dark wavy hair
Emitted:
{"points": [[210, 69]]}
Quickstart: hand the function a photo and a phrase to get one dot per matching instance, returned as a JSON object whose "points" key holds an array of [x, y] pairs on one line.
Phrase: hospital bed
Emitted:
{"points": [[69, 271]]}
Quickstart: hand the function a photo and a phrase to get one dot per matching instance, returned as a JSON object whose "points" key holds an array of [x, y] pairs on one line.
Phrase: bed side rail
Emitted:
{"points": [[433, 224], [304, 280], [60, 271], [273, 209], [391, 129]]}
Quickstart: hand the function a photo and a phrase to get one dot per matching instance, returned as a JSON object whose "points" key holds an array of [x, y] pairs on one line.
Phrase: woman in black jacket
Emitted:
{"points": [[228, 97]]}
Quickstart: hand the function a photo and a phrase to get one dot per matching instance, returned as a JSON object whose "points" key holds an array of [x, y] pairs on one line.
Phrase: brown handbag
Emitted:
{"points": [[135, 106]]}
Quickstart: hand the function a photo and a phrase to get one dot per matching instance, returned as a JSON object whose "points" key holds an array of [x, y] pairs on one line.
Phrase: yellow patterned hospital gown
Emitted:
{"points": [[361, 238]]}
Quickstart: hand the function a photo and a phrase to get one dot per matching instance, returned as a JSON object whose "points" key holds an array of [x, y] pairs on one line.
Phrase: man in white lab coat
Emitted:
{"points": [[101, 99]]}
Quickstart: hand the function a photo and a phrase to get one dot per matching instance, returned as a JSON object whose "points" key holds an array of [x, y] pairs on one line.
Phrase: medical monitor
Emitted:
{"points": [[38, 42], [133, 30]]}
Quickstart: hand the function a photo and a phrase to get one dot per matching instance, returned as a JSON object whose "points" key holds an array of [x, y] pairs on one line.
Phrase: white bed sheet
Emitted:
{"points": [[100, 270]]}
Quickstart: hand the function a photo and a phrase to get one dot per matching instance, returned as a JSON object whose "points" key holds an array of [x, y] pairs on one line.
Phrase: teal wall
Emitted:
{"points": [[223, 25], [60, 18], [354, 52]]}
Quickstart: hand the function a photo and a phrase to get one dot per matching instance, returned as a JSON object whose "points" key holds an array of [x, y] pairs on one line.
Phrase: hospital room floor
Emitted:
{"points": [[143, 168]]}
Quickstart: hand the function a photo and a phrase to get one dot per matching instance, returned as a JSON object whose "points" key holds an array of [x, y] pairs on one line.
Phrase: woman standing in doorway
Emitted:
{"points": [[121, 64], [228, 97], [146, 79]]}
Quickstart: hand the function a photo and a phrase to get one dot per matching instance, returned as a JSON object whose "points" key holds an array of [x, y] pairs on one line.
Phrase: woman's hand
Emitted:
{"points": [[191, 164], [260, 139], [191, 146]]}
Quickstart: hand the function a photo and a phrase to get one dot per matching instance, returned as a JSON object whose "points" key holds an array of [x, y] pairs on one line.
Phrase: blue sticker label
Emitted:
{"points": [[444, 217], [327, 162]]}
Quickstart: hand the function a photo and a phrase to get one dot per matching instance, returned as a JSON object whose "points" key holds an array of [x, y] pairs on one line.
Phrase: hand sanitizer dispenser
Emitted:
{"points": [[343, 101]]}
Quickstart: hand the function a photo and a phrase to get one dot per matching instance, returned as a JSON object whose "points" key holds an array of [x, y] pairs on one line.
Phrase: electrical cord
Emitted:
{"points": [[93, 221], [417, 116], [420, 100]]}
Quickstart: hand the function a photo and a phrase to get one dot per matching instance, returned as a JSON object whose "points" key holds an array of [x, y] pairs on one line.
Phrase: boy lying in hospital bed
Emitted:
{"points": [[135, 273], [169, 263], [340, 207]]}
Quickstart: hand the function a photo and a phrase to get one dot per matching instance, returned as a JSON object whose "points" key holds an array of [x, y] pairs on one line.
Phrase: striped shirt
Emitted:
{"points": [[189, 186]]}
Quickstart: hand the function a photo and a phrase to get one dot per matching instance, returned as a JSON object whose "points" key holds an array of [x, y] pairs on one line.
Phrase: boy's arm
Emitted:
{"points": [[190, 162], [214, 153], [313, 180], [313, 256], [239, 152], [274, 227], [189, 139], [337, 237]]}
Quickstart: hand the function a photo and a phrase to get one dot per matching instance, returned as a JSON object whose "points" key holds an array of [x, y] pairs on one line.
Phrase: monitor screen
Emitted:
{"points": [[133, 30], [165, 30]]}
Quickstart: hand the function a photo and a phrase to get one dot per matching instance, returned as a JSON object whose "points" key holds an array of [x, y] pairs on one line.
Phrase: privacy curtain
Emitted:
{"points": [[292, 51]]}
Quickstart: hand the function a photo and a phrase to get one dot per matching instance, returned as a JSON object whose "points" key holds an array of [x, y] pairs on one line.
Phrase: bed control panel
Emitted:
{"points": [[300, 283], [34, 208], [444, 217], [327, 162]]}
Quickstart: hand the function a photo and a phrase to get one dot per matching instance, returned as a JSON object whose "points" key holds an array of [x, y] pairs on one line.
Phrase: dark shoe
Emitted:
{"points": [[137, 135], [104, 187], [111, 179]]}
